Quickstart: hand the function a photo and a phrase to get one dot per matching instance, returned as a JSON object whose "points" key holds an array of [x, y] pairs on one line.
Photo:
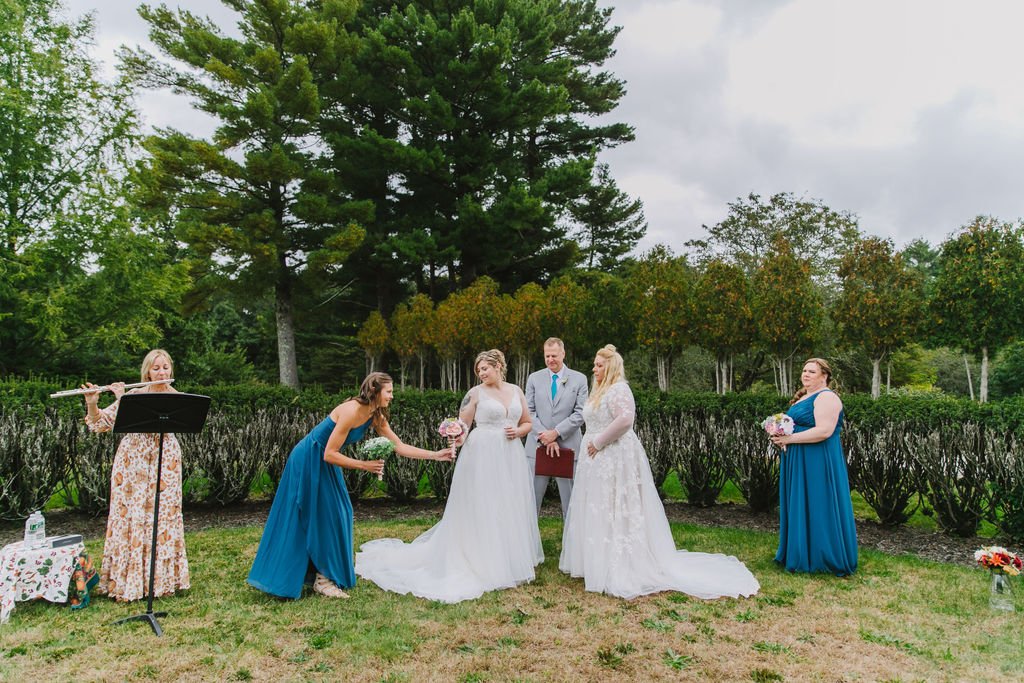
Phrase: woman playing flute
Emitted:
{"points": [[124, 574]]}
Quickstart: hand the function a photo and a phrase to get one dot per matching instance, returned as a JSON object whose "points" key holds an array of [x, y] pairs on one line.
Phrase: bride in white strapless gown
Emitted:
{"points": [[487, 538], [616, 535]]}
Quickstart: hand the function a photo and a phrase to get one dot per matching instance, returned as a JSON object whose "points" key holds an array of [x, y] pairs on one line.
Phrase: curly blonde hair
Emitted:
{"points": [[493, 357], [613, 372]]}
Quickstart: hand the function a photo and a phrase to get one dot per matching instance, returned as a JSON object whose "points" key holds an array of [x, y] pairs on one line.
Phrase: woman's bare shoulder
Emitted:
{"points": [[828, 399], [345, 411]]}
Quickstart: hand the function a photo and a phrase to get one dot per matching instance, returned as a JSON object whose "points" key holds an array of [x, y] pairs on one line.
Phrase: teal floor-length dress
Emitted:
{"points": [[817, 532], [309, 528]]}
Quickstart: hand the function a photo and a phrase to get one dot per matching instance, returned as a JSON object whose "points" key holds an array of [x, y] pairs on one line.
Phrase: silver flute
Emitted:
{"points": [[106, 387]]}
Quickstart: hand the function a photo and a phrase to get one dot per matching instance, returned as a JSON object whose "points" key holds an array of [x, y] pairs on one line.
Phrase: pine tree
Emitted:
{"points": [[477, 138], [261, 201], [610, 223]]}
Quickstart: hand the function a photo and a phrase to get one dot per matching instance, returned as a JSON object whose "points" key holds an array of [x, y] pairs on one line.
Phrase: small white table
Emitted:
{"points": [[30, 573]]}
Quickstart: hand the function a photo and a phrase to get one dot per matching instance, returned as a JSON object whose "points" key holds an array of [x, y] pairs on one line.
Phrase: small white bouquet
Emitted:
{"points": [[377, 448]]}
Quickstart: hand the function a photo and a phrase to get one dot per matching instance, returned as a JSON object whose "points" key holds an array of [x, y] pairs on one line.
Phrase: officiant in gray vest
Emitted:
{"points": [[554, 397]]}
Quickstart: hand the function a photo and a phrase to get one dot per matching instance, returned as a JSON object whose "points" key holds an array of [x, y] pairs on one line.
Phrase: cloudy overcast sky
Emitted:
{"points": [[908, 113]]}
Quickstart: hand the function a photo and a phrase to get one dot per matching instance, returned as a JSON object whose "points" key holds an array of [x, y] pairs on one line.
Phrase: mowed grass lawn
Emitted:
{"points": [[898, 618]]}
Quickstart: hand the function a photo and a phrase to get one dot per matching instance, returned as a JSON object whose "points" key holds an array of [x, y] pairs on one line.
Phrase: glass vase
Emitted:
{"points": [[1000, 594]]}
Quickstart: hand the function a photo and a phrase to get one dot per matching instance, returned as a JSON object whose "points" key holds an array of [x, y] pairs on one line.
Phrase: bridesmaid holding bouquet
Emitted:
{"points": [[817, 532], [308, 535]]}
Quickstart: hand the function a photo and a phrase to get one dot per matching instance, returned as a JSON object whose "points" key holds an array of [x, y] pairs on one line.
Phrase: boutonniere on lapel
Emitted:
{"points": [[562, 381]]}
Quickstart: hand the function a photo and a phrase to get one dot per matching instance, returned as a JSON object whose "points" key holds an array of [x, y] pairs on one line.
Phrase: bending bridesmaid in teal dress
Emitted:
{"points": [[309, 529], [817, 532]]}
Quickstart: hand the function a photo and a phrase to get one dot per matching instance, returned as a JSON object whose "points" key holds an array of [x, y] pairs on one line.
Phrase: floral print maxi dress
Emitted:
{"points": [[124, 573]]}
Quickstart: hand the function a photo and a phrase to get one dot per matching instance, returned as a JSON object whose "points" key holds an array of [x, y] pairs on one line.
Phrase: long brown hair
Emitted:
{"points": [[369, 395], [826, 369]]}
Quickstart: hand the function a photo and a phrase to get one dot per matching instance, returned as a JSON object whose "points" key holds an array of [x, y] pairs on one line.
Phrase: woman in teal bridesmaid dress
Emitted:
{"points": [[309, 529], [817, 532]]}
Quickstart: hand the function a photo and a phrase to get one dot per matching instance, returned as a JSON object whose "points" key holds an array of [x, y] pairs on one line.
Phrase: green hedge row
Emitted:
{"points": [[923, 410], [965, 459]]}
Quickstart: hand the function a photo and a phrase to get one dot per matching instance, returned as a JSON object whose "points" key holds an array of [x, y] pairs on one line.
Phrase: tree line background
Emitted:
{"points": [[399, 184], [777, 281]]}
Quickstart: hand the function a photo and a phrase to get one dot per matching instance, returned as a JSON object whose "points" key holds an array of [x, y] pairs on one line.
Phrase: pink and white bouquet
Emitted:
{"points": [[452, 428], [778, 424], [998, 559]]}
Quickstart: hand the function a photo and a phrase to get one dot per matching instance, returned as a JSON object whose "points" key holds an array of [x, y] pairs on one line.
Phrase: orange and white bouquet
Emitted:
{"points": [[998, 559]]}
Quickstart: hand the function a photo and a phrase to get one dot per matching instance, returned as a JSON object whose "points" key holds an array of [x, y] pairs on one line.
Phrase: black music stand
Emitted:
{"points": [[151, 413]]}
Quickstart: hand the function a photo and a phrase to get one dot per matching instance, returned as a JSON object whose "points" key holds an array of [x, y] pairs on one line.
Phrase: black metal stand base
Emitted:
{"points": [[147, 616]]}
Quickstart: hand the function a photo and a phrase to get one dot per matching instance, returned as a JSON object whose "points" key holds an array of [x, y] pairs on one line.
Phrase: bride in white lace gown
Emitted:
{"points": [[488, 537], [616, 535]]}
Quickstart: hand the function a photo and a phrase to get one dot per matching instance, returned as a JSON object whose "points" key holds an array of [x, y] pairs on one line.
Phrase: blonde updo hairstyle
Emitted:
{"points": [[826, 370], [492, 357], [613, 372], [150, 360]]}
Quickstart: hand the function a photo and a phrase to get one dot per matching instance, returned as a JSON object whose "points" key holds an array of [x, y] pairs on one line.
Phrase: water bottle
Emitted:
{"points": [[35, 530]]}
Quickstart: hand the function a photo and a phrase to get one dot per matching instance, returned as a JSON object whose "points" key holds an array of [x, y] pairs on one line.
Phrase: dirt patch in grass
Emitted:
{"points": [[924, 544]]}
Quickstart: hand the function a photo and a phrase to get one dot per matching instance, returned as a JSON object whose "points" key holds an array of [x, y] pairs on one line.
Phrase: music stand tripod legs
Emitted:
{"points": [[149, 615]]}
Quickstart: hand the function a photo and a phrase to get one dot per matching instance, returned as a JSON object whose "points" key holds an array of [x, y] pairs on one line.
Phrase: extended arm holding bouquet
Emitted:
{"points": [[408, 451], [347, 420]]}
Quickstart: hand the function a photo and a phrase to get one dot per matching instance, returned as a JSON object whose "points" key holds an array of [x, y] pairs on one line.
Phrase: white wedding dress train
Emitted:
{"points": [[487, 538], [616, 535]]}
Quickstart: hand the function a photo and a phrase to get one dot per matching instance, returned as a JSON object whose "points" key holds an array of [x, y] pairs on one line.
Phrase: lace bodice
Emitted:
{"points": [[613, 417], [490, 411]]}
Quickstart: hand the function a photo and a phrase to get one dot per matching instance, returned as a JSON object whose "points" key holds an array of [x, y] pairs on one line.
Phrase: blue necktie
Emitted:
{"points": [[554, 386]]}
